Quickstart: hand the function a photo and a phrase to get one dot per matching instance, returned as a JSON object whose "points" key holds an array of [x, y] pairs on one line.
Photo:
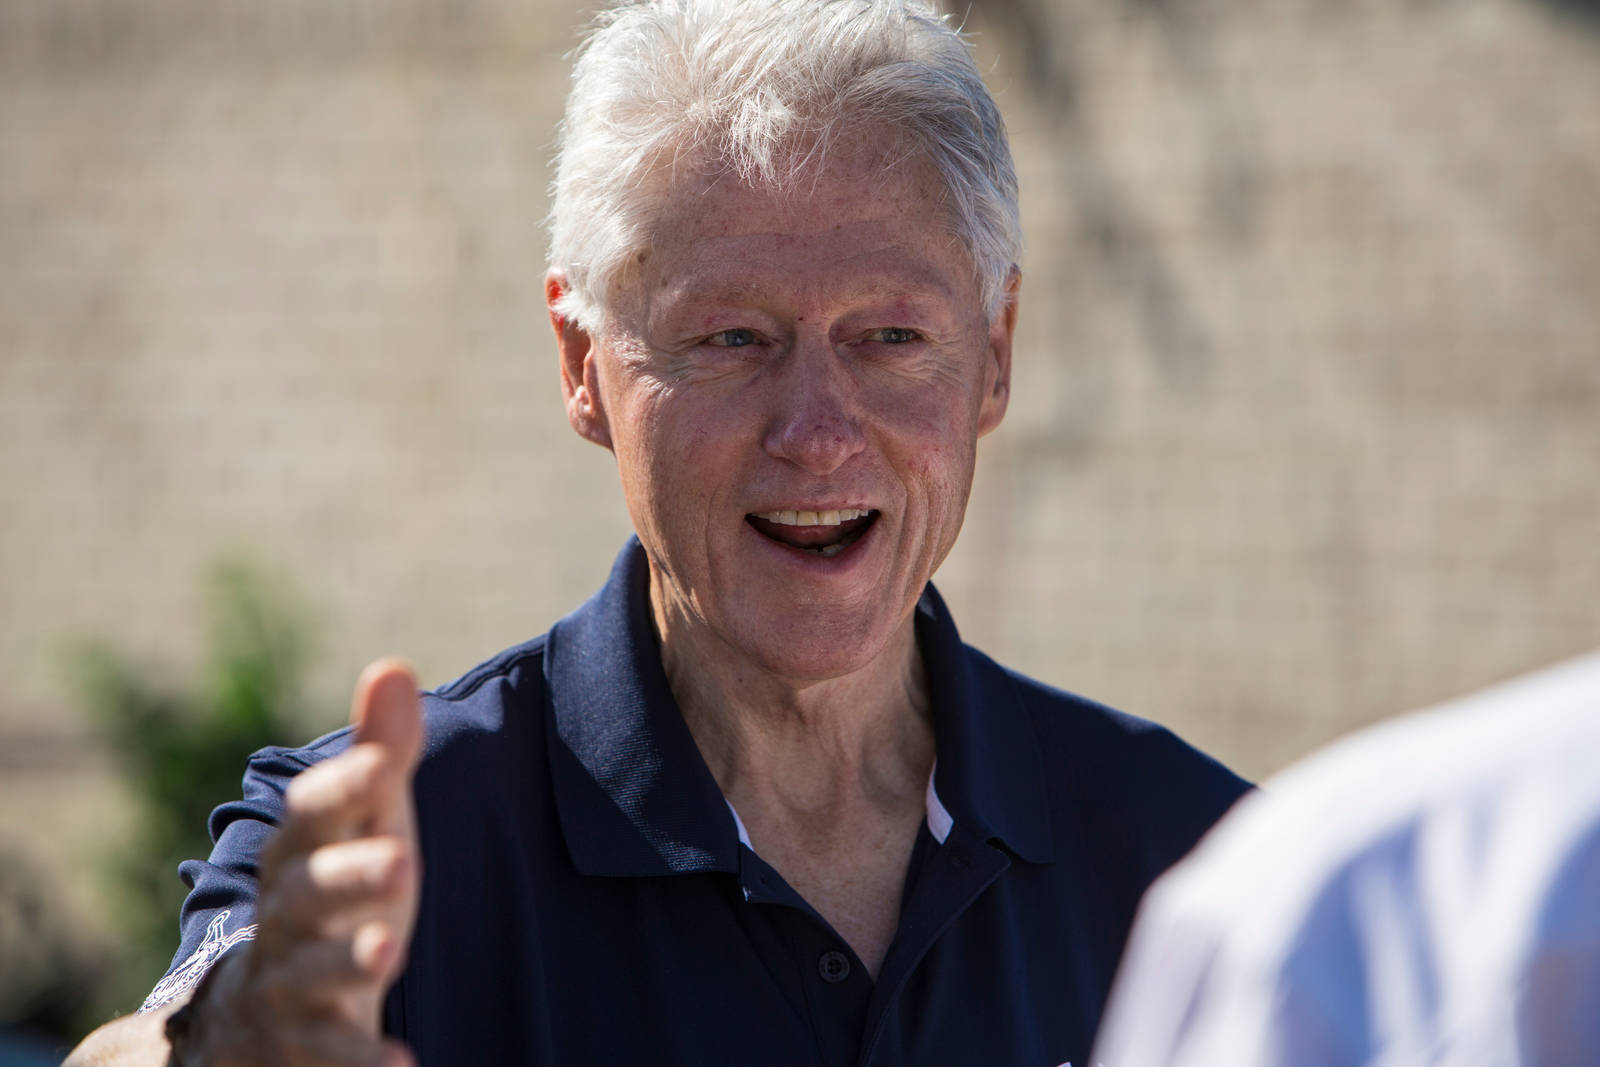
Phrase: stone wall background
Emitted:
{"points": [[1308, 389]]}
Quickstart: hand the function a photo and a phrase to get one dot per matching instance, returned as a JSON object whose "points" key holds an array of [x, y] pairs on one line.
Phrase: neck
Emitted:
{"points": [[862, 737]]}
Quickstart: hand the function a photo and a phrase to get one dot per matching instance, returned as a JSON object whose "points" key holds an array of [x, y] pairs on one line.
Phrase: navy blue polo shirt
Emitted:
{"points": [[589, 897]]}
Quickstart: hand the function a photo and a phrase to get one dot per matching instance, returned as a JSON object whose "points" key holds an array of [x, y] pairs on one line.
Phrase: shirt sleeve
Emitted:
{"points": [[1420, 892], [219, 912]]}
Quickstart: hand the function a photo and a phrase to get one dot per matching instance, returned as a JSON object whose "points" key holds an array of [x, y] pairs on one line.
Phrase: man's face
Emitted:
{"points": [[794, 399]]}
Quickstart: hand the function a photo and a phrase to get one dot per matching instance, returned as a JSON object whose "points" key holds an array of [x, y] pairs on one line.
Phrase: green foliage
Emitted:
{"points": [[183, 748]]}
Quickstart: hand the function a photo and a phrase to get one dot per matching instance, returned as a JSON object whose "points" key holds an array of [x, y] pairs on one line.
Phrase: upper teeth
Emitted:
{"points": [[813, 518]]}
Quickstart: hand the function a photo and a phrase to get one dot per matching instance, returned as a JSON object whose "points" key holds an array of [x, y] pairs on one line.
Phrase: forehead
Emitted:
{"points": [[865, 223]]}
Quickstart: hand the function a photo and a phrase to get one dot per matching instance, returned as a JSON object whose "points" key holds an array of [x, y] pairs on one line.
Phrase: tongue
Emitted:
{"points": [[808, 536]]}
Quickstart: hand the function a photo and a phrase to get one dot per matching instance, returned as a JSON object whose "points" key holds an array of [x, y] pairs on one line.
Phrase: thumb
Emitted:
{"points": [[386, 710]]}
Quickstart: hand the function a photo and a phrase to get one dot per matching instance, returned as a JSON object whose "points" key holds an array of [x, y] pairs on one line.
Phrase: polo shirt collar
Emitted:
{"points": [[636, 798], [634, 794], [990, 775]]}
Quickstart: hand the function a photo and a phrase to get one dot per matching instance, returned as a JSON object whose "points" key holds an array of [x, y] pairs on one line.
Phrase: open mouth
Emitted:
{"points": [[821, 533]]}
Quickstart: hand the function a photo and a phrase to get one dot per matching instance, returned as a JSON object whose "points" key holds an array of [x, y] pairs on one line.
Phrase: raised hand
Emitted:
{"points": [[338, 899]]}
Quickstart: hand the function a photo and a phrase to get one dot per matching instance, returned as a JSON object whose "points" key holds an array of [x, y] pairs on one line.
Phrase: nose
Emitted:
{"points": [[815, 423]]}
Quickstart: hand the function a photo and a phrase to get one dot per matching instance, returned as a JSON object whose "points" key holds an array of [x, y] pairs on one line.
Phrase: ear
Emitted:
{"points": [[580, 381], [997, 372]]}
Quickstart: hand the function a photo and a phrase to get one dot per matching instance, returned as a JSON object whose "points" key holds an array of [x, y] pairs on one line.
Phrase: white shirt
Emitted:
{"points": [[1425, 892]]}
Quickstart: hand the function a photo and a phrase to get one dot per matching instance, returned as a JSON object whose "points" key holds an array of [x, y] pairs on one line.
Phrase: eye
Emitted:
{"points": [[893, 335], [735, 338]]}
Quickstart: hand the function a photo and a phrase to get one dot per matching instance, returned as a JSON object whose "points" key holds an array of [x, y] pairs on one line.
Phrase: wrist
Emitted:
{"points": [[191, 1028]]}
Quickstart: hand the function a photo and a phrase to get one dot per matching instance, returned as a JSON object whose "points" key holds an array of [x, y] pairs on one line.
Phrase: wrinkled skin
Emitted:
{"points": [[820, 348]]}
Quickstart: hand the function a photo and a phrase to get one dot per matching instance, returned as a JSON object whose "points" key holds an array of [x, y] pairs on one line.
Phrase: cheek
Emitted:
{"points": [[683, 456], [938, 466], [936, 444], [678, 444]]}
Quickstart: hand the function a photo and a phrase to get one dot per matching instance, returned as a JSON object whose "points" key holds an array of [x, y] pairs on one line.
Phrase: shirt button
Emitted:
{"points": [[833, 966]]}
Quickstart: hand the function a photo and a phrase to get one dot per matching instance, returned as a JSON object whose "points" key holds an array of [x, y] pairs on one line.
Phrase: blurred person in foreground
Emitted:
{"points": [[1426, 892], [755, 802]]}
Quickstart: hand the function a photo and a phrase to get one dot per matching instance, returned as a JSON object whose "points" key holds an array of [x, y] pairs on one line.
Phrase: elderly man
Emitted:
{"points": [[754, 802]]}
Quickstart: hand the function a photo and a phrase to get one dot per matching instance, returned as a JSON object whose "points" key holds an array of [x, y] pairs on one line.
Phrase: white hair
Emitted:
{"points": [[761, 89]]}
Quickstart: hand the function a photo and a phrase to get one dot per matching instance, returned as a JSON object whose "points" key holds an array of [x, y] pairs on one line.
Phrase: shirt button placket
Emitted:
{"points": [[833, 966]]}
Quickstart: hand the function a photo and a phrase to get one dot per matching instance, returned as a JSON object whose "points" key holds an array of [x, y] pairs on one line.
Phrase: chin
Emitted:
{"points": [[812, 656]]}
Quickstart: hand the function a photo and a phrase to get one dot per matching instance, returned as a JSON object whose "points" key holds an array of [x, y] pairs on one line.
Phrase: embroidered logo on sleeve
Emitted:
{"points": [[189, 973]]}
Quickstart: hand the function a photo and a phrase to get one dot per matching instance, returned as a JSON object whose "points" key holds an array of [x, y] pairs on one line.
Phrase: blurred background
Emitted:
{"points": [[1306, 426]]}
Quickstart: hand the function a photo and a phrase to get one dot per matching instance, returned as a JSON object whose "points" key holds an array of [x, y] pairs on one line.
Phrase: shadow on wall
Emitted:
{"points": [[1589, 9], [1040, 34]]}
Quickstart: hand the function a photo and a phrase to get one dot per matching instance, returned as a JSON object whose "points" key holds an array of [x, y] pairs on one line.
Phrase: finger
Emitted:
{"points": [[319, 976], [387, 714], [334, 800], [385, 709], [336, 887], [341, 981], [395, 1054], [376, 954]]}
